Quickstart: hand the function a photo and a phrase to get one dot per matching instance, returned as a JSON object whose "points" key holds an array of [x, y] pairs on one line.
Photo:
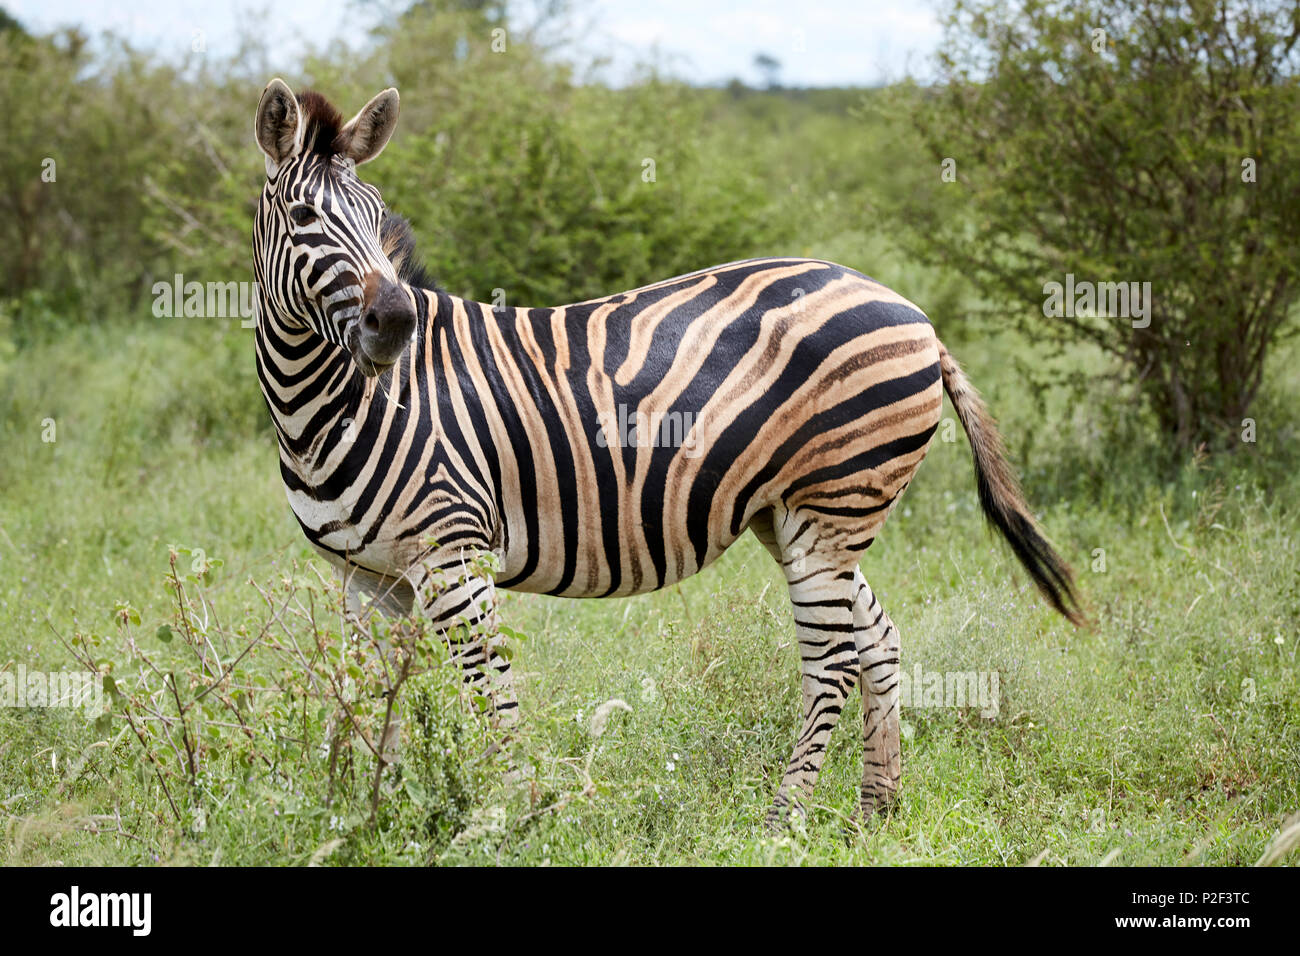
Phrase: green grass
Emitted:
{"points": [[1168, 734]]}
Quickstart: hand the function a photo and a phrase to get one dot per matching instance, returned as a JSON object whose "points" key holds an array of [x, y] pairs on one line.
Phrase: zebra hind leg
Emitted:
{"points": [[822, 592], [877, 643]]}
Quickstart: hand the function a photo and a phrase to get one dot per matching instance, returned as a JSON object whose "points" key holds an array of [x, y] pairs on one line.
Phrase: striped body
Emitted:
{"points": [[609, 447], [780, 384]]}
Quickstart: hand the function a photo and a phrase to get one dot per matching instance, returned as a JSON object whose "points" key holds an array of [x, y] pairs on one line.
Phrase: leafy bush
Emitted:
{"points": [[348, 737], [516, 178], [96, 133], [1153, 143]]}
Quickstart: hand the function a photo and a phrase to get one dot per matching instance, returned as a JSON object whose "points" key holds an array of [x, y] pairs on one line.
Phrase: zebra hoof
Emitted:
{"points": [[785, 816], [517, 777], [875, 801]]}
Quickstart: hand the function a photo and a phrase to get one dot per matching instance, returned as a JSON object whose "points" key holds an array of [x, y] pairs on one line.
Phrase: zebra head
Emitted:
{"points": [[318, 255]]}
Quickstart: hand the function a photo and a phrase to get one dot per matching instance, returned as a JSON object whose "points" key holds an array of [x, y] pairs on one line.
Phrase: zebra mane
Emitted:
{"points": [[398, 243], [323, 125]]}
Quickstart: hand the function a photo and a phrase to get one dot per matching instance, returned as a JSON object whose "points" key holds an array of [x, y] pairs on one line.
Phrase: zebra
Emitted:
{"points": [[419, 431]]}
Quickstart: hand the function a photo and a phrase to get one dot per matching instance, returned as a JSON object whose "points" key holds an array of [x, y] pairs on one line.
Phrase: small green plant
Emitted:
{"points": [[355, 725]]}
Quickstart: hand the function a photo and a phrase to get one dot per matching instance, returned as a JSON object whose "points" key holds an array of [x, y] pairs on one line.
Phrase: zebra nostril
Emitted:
{"points": [[370, 323]]}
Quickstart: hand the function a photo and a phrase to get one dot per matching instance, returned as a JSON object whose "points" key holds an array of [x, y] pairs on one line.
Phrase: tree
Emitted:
{"points": [[1127, 141], [7, 23], [770, 67]]}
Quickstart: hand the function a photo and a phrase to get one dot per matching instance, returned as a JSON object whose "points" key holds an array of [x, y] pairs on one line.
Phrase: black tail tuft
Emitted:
{"points": [[1001, 498]]}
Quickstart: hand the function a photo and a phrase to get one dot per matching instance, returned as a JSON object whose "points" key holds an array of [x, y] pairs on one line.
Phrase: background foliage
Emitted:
{"points": [[1148, 141], [656, 727]]}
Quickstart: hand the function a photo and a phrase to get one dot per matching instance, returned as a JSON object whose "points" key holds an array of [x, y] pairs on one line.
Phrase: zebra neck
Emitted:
{"points": [[312, 388]]}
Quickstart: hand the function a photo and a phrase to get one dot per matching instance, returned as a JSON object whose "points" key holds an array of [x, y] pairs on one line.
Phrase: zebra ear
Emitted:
{"points": [[367, 133], [278, 126]]}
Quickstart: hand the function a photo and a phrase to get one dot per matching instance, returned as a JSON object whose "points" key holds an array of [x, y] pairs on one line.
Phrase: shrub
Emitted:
{"points": [[332, 734], [1131, 141]]}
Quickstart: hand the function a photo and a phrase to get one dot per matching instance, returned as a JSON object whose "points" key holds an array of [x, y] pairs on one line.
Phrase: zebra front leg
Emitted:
{"points": [[460, 601], [878, 655], [365, 595]]}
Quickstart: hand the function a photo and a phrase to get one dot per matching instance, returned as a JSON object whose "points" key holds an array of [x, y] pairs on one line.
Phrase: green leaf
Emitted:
{"points": [[415, 791], [164, 633], [511, 633]]}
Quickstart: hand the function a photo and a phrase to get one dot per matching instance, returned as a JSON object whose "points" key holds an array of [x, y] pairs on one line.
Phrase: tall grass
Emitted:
{"points": [[1166, 735]]}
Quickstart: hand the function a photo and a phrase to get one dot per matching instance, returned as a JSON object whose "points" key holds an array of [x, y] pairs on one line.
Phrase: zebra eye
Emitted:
{"points": [[302, 215]]}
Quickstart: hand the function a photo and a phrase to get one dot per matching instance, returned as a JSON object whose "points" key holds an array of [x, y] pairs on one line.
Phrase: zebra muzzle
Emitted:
{"points": [[386, 325]]}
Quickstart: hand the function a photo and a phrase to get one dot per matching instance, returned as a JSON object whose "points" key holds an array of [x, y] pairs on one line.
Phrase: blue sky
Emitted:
{"points": [[819, 42]]}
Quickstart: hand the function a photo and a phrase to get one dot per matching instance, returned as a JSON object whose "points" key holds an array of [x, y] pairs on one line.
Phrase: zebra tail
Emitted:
{"points": [[1001, 498]]}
